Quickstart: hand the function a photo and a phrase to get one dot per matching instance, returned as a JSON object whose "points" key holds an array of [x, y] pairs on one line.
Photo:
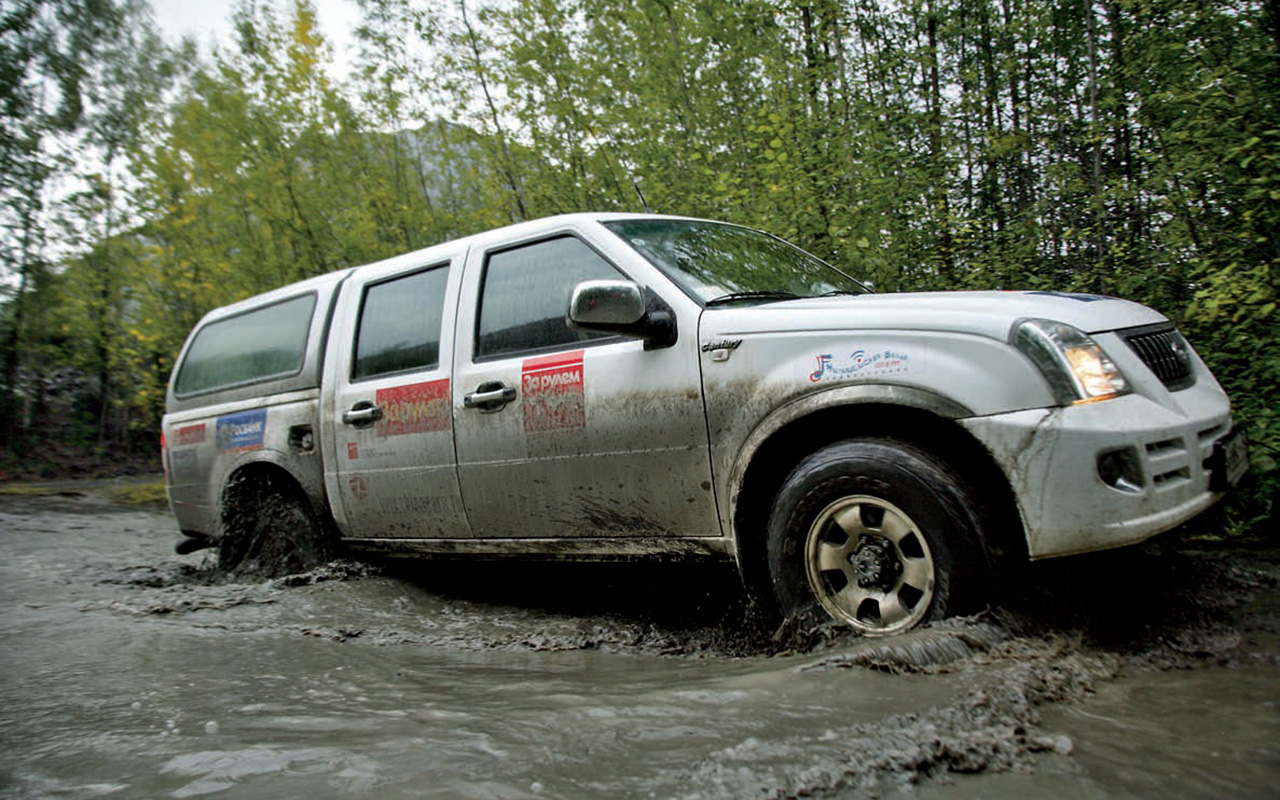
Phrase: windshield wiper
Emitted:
{"points": [[767, 294], [839, 292]]}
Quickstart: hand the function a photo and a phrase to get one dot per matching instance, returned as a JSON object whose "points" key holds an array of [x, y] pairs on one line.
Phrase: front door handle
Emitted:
{"points": [[490, 397], [362, 414]]}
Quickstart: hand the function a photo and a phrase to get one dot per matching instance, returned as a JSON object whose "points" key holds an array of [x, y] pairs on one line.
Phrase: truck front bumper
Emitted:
{"points": [[1105, 474]]}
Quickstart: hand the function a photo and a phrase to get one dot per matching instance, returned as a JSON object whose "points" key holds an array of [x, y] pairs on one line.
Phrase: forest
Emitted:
{"points": [[1119, 147]]}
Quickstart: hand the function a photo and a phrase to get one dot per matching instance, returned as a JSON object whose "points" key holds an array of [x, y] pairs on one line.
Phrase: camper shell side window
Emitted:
{"points": [[262, 344]]}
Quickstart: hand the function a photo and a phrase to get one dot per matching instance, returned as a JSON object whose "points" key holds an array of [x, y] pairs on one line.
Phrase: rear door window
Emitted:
{"points": [[263, 344], [399, 328]]}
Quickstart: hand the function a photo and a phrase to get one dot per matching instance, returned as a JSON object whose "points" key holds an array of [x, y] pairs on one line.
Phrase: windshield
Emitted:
{"points": [[723, 264]]}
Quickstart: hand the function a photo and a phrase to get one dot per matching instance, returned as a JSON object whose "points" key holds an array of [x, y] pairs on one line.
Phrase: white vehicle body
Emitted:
{"points": [[624, 446]]}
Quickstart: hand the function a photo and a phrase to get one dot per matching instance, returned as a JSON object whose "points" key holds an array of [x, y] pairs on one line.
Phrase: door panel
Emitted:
{"points": [[599, 437], [393, 472]]}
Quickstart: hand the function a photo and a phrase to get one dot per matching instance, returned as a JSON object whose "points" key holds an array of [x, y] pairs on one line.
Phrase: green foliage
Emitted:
{"points": [[149, 494], [47, 48]]}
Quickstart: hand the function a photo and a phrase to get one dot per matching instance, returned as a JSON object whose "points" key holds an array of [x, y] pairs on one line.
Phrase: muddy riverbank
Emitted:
{"points": [[129, 671]]}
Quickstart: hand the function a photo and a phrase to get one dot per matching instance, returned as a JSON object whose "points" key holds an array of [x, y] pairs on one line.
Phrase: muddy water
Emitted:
{"points": [[127, 671], [1212, 733]]}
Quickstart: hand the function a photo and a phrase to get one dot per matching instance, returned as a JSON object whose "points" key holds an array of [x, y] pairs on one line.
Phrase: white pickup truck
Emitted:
{"points": [[621, 386]]}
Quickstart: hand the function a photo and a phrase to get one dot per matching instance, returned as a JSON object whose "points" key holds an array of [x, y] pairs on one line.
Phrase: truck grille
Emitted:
{"points": [[1165, 353]]}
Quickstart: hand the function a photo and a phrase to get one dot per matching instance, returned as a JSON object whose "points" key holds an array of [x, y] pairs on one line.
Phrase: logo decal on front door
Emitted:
{"points": [[554, 396]]}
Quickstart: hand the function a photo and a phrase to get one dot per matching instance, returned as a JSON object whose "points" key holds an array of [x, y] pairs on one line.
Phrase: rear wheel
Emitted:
{"points": [[874, 533], [269, 529]]}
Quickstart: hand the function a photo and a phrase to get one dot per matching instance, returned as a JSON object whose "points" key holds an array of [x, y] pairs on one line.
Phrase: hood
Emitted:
{"points": [[984, 313]]}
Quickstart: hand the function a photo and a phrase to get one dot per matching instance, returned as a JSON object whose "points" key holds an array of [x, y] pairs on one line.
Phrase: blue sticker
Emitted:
{"points": [[245, 431]]}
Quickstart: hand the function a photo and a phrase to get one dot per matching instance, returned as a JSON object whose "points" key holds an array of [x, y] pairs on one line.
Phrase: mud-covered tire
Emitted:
{"points": [[269, 529], [877, 534]]}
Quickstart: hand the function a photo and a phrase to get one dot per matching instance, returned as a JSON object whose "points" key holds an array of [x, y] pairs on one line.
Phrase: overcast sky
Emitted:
{"points": [[208, 21]]}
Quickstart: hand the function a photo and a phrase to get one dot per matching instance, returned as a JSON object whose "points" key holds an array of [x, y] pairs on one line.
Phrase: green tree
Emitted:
{"points": [[123, 89], [47, 48]]}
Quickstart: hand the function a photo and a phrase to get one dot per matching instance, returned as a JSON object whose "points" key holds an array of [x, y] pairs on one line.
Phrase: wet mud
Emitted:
{"points": [[130, 671]]}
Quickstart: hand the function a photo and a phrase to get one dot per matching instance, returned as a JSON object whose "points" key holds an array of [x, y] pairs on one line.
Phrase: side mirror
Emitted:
{"points": [[606, 303], [622, 307]]}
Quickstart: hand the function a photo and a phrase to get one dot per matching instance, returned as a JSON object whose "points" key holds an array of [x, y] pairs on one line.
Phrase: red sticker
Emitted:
{"points": [[359, 489], [416, 408], [554, 396], [353, 450], [191, 434]]}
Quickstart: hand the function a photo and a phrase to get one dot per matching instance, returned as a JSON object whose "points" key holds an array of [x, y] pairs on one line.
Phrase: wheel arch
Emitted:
{"points": [[273, 472], [919, 417]]}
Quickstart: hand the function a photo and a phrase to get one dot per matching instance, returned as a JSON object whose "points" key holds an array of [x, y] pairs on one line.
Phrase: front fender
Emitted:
{"points": [[838, 396]]}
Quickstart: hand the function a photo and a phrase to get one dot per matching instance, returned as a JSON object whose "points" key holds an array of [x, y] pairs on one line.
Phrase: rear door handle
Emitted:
{"points": [[362, 414], [490, 396]]}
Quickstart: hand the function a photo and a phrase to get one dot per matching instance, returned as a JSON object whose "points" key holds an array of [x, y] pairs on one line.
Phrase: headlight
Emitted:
{"points": [[1075, 367]]}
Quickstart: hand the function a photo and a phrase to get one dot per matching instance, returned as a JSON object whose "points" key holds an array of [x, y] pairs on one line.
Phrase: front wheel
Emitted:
{"points": [[874, 533]]}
